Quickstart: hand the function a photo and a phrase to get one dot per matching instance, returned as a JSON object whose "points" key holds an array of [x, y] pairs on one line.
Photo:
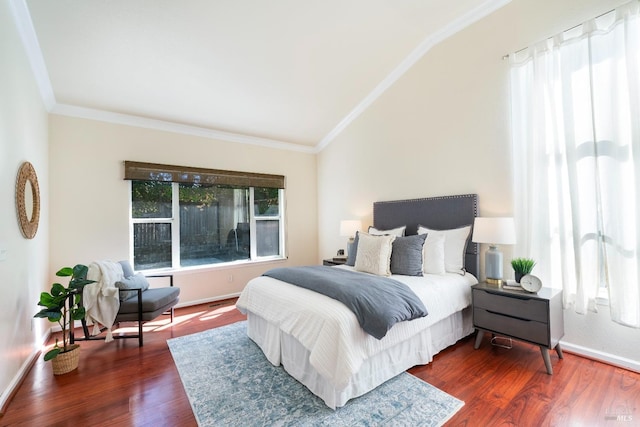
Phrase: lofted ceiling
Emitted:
{"points": [[287, 73]]}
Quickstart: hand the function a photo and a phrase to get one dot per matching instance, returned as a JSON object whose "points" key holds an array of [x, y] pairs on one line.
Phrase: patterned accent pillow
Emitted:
{"points": [[374, 254], [407, 254]]}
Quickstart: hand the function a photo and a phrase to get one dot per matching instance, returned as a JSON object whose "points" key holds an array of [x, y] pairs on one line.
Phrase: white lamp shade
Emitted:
{"points": [[348, 228], [496, 231]]}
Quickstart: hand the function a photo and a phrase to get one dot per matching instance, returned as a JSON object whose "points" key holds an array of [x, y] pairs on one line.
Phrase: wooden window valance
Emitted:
{"points": [[168, 173]]}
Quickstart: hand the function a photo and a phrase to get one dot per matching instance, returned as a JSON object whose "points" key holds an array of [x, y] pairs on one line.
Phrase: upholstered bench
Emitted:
{"points": [[153, 301]]}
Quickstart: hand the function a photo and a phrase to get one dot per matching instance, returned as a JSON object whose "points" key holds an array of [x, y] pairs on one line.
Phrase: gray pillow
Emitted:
{"points": [[406, 255], [133, 282], [126, 268], [351, 256]]}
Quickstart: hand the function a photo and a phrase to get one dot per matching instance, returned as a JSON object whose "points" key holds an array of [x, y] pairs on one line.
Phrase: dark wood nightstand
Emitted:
{"points": [[334, 261], [534, 318]]}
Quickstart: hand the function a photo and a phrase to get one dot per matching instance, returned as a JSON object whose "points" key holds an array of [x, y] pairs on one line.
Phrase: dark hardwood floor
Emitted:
{"points": [[120, 384]]}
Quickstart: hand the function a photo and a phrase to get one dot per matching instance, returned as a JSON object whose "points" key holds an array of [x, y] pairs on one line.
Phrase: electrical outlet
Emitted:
{"points": [[3, 254]]}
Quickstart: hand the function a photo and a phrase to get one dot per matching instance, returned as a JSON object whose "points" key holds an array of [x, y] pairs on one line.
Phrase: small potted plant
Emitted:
{"points": [[62, 305], [522, 267]]}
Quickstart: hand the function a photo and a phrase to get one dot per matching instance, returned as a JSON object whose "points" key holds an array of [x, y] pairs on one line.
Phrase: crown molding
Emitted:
{"points": [[27, 33], [167, 126], [460, 23]]}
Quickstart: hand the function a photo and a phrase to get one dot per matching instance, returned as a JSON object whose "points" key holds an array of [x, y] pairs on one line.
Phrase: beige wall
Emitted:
{"points": [[443, 128], [23, 137], [90, 199]]}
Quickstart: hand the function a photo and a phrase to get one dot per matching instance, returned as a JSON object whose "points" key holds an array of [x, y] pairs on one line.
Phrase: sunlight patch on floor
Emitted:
{"points": [[164, 322], [217, 312]]}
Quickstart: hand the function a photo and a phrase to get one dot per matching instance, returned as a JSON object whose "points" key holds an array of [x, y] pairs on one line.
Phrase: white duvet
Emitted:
{"points": [[330, 331]]}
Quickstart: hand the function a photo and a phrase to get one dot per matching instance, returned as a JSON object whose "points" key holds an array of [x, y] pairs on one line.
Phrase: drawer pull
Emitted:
{"points": [[520, 297], [506, 315]]}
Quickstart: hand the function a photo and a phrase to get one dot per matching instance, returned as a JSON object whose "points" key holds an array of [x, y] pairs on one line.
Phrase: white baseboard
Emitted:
{"points": [[611, 359], [207, 300], [8, 393]]}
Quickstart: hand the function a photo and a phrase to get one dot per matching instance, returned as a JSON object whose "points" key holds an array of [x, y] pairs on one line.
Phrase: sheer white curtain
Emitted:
{"points": [[576, 147]]}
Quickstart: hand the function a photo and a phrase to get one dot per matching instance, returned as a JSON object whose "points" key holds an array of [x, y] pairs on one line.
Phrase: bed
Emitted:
{"points": [[319, 341]]}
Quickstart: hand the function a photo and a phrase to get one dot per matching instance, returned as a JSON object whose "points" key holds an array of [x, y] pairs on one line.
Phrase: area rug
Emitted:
{"points": [[229, 382]]}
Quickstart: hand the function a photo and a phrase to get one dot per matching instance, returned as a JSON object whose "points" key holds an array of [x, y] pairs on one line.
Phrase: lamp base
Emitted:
{"points": [[493, 265]]}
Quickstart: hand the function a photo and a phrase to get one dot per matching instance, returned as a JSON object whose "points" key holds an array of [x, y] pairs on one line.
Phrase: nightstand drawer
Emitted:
{"points": [[528, 330], [518, 306]]}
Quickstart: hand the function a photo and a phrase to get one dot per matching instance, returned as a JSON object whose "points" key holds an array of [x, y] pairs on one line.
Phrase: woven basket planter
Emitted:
{"points": [[67, 361]]}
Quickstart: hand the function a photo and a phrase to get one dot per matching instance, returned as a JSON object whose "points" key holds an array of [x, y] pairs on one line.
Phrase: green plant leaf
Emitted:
{"points": [[52, 354], [52, 302], [57, 289], [80, 271], [79, 283], [65, 272], [53, 314], [46, 299], [79, 279], [78, 314]]}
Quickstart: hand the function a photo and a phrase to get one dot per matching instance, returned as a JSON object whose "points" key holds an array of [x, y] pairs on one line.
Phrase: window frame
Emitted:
{"points": [[249, 181]]}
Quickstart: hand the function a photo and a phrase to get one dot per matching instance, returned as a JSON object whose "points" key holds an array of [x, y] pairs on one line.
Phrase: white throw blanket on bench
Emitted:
{"points": [[100, 299]]}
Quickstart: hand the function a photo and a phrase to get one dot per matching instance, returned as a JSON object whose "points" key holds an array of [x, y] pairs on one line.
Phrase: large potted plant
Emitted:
{"points": [[62, 305]]}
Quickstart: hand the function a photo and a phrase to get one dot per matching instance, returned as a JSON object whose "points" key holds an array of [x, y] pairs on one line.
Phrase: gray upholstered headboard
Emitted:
{"points": [[438, 213]]}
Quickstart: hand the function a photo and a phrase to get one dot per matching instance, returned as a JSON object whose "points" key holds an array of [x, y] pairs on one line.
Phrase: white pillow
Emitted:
{"points": [[455, 244], [433, 254], [374, 254], [399, 232]]}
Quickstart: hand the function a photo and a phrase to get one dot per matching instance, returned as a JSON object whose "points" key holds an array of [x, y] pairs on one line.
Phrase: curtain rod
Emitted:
{"points": [[561, 32]]}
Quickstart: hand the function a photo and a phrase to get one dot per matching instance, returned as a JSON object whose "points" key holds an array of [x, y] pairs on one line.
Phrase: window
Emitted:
{"points": [[575, 101], [184, 217]]}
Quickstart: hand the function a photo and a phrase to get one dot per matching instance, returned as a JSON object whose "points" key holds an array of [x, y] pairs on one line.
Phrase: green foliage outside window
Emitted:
{"points": [[264, 198], [199, 194], [149, 197]]}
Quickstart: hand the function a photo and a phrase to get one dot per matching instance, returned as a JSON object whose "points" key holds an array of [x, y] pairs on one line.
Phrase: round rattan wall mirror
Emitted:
{"points": [[28, 200]]}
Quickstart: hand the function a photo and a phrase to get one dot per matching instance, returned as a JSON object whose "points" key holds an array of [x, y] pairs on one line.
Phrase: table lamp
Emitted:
{"points": [[494, 232]]}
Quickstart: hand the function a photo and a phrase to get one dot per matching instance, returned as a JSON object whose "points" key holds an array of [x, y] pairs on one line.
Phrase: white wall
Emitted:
{"points": [[23, 137], [90, 199], [443, 128]]}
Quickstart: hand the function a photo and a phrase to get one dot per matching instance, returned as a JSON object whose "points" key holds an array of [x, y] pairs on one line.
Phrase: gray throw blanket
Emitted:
{"points": [[378, 302]]}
